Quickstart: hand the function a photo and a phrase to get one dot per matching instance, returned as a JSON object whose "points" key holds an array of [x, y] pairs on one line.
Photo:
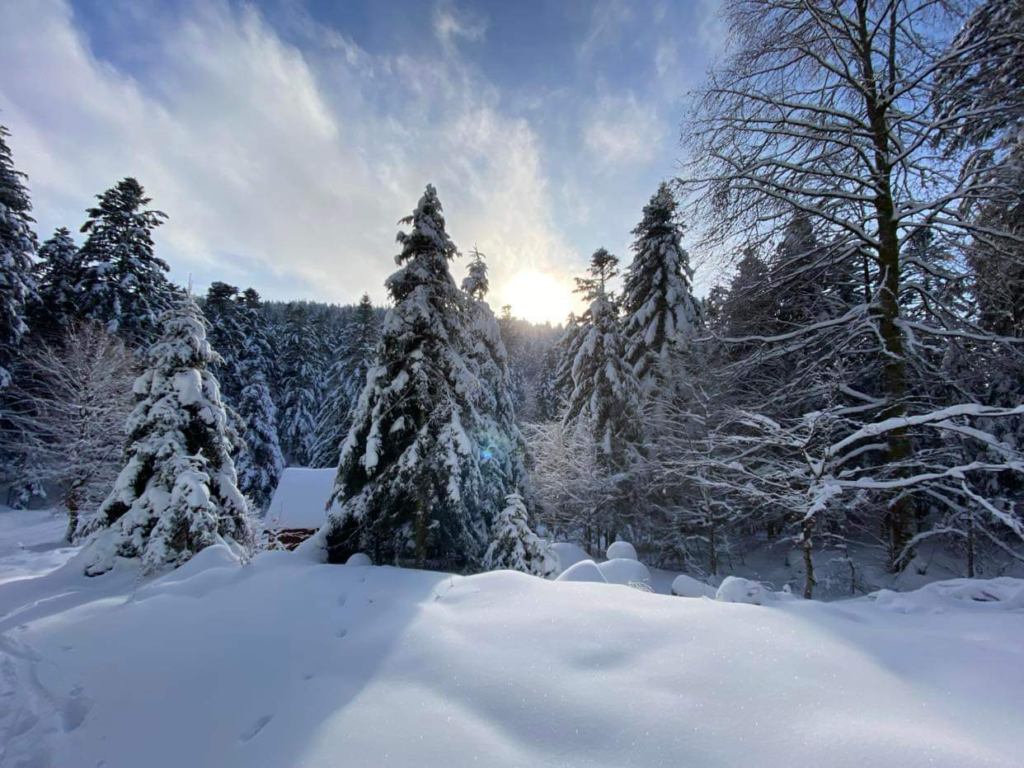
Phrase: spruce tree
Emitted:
{"points": [[605, 400], [502, 448], [409, 479], [566, 348], [301, 371], [259, 460], [124, 284], [514, 546], [17, 245], [177, 492], [223, 310], [345, 381], [58, 273], [661, 315]]}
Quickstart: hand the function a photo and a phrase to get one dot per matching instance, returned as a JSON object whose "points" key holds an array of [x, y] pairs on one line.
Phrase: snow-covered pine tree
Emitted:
{"points": [[514, 546], [58, 274], [301, 371], [17, 245], [565, 349], [177, 492], [605, 401], [124, 283], [409, 480], [259, 460], [224, 313], [662, 316], [344, 383], [502, 448]]}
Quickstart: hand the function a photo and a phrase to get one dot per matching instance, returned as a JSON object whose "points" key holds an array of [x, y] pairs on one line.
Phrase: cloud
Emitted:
{"points": [[281, 166], [607, 20], [451, 23], [622, 131]]}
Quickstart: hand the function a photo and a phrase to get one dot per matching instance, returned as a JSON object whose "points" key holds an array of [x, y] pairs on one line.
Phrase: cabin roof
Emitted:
{"points": [[300, 500]]}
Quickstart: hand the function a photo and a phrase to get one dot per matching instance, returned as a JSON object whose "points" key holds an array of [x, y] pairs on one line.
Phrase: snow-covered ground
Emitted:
{"points": [[286, 662]]}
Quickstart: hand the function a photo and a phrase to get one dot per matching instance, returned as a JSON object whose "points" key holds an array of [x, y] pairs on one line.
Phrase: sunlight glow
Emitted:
{"points": [[538, 297]]}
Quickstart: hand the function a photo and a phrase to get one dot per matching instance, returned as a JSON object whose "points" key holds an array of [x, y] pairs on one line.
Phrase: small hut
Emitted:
{"points": [[299, 506]]}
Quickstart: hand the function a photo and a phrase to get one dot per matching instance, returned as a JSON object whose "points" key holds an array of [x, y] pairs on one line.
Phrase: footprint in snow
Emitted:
{"points": [[341, 633], [308, 676], [253, 730], [341, 601]]}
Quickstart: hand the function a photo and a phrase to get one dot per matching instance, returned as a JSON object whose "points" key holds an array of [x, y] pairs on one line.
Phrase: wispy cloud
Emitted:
{"points": [[452, 23], [623, 131], [263, 168]]}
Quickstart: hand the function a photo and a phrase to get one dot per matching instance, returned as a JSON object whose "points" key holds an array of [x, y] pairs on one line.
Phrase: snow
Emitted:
{"points": [[621, 549], [359, 559], [585, 570], [735, 589], [285, 662], [300, 500], [623, 570], [687, 586], [568, 555]]}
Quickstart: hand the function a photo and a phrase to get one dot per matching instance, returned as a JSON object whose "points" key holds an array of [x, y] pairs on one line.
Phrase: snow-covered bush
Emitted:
{"points": [[585, 570], [359, 559], [687, 586], [568, 554], [516, 547], [625, 571], [738, 590], [177, 493], [621, 549]]}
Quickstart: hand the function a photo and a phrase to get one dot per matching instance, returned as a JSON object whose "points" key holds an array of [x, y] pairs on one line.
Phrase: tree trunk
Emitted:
{"points": [[970, 544], [900, 513], [713, 553], [809, 581], [421, 535]]}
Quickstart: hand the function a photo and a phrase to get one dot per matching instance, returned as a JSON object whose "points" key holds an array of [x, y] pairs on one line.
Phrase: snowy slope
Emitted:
{"points": [[286, 662]]}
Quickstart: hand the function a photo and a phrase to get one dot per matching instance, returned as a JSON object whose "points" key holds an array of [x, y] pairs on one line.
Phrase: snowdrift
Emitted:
{"points": [[286, 662]]}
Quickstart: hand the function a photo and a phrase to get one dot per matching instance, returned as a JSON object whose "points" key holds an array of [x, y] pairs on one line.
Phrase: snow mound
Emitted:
{"points": [[626, 571], [687, 586], [359, 559], [737, 590], [1000, 594], [621, 550], [568, 555], [585, 570]]}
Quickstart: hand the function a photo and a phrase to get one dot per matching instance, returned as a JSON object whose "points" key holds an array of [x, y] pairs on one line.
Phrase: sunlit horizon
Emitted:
{"points": [[538, 297]]}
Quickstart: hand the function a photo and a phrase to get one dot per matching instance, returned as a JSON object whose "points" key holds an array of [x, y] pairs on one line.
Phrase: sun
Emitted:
{"points": [[538, 297]]}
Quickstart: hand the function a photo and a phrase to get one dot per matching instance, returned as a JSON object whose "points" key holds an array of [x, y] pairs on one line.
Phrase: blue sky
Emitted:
{"points": [[285, 139]]}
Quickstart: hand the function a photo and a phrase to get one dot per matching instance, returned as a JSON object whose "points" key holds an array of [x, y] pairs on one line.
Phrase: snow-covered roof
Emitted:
{"points": [[300, 500]]}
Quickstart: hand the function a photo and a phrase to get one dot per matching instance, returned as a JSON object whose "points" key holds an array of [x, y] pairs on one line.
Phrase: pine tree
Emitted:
{"points": [[58, 273], [661, 315], [565, 349], [124, 284], [606, 395], [301, 384], [514, 546], [177, 493], [409, 479], [223, 310], [17, 245], [502, 448], [259, 460], [344, 383]]}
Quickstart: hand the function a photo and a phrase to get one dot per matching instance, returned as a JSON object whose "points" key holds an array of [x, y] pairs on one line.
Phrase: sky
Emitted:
{"points": [[286, 138]]}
